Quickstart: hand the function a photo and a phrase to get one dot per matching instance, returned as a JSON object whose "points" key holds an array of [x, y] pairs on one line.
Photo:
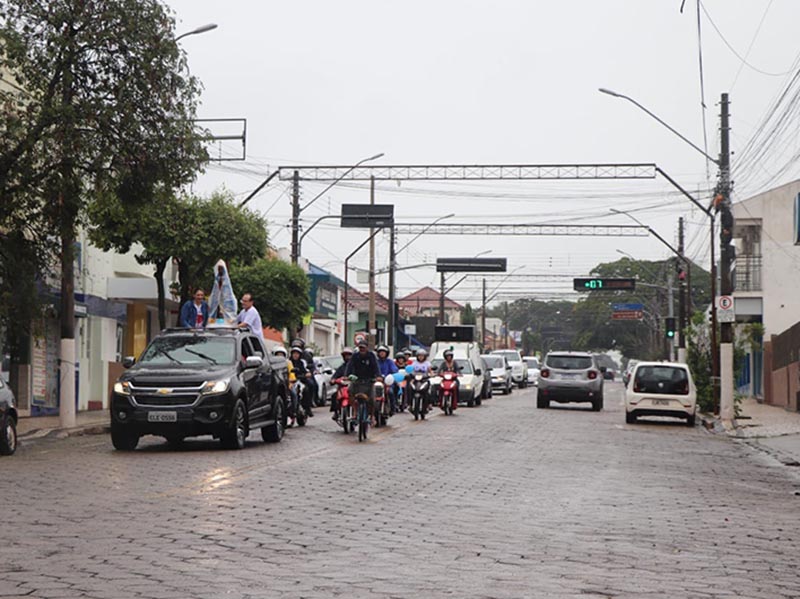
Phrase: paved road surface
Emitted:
{"points": [[499, 501]]}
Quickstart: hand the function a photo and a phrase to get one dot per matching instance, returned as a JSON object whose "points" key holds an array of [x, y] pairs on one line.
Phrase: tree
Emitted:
{"points": [[468, 316], [210, 229], [213, 229], [103, 102], [113, 225], [280, 290]]}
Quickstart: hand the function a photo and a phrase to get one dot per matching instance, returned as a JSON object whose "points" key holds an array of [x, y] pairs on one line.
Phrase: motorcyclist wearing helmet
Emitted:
{"points": [[422, 364], [387, 367], [347, 353], [450, 365], [302, 372], [400, 360], [308, 357]]}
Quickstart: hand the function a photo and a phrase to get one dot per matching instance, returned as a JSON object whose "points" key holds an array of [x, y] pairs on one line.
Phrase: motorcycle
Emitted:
{"points": [[383, 408], [418, 388], [296, 412], [448, 392], [400, 390], [346, 413]]}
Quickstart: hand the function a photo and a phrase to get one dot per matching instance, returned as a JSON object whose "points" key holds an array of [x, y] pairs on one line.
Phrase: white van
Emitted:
{"points": [[468, 355]]}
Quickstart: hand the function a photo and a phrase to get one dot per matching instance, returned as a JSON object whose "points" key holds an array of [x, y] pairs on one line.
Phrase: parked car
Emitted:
{"points": [[8, 420], [323, 376], [470, 381], [519, 370], [570, 377], [217, 381], [500, 372], [661, 389], [626, 375], [532, 363]]}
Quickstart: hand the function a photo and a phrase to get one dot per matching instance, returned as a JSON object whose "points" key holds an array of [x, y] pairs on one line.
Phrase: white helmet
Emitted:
{"points": [[279, 349]]}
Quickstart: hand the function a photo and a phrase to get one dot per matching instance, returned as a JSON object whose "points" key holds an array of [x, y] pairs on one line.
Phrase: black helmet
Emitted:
{"points": [[299, 342], [296, 348], [400, 356]]}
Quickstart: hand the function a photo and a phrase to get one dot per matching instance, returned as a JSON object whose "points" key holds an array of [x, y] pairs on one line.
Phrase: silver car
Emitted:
{"points": [[570, 377], [500, 372]]}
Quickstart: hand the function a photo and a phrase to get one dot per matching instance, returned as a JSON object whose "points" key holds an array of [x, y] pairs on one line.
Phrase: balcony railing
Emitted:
{"points": [[748, 273]]}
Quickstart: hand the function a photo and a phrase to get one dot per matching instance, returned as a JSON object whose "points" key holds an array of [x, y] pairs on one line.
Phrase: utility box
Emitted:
{"points": [[464, 332]]}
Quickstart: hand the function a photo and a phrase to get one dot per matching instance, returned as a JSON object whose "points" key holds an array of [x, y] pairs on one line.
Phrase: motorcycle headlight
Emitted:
{"points": [[122, 388], [213, 387]]}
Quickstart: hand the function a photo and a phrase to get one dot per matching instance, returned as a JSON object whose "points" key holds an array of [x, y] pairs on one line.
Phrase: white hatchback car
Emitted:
{"points": [[661, 389]]}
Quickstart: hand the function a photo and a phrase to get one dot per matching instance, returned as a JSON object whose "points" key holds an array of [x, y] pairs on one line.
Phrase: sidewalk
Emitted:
{"points": [[86, 423], [771, 429]]}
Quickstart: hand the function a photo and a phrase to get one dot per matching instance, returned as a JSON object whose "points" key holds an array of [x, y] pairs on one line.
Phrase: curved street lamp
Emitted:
{"points": [[201, 29]]}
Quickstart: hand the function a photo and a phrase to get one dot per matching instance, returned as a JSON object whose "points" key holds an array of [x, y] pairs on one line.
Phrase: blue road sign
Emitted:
{"points": [[627, 307]]}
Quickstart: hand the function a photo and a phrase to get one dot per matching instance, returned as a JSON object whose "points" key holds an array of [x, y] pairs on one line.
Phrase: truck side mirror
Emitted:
{"points": [[128, 361]]}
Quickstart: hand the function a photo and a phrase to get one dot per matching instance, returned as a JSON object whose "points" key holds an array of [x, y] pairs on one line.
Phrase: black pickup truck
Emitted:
{"points": [[216, 381]]}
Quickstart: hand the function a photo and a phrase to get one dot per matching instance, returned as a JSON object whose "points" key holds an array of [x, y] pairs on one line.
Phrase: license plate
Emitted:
{"points": [[162, 417], [660, 402], [569, 376]]}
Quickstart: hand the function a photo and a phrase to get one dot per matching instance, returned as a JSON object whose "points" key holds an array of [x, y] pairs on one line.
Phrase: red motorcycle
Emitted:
{"points": [[346, 411], [448, 392]]}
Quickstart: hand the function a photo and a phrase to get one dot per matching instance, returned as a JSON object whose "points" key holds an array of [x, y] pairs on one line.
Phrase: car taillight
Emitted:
{"points": [[544, 373], [637, 388], [685, 389], [592, 375]]}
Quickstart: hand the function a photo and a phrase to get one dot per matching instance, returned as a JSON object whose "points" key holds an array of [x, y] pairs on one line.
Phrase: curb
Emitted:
{"points": [[63, 433]]}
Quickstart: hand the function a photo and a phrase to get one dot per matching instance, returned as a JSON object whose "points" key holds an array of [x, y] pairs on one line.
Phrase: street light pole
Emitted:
{"points": [[346, 284], [201, 29]]}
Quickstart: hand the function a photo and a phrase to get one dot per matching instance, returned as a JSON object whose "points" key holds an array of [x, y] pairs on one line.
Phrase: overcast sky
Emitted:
{"points": [[446, 82]]}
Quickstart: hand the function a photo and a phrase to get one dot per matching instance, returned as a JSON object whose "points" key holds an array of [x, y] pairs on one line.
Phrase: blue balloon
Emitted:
{"points": [[409, 369], [399, 377]]}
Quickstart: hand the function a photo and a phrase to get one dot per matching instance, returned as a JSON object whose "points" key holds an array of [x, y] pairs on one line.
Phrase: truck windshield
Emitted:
{"points": [[190, 350], [463, 365]]}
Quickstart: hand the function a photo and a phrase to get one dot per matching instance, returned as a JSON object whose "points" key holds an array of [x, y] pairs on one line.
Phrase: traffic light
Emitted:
{"points": [[669, 327]]}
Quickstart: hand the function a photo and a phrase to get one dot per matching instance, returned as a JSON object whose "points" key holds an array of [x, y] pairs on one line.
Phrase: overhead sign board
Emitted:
{"points": [[603, 284], [725, 309], [367, 216], [627, 307], [627, 315], [471, 265]]}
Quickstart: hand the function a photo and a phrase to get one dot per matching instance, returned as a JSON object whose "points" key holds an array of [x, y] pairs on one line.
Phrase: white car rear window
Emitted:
{"points": [[667, 380]]}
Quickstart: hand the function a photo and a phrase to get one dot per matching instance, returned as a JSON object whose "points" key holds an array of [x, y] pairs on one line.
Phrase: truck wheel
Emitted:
{"points": [[236, 434], [122, 439], [273, 433]]}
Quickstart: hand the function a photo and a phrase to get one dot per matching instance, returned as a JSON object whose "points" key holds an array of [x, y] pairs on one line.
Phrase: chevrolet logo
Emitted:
{"points": [[164, 391]]}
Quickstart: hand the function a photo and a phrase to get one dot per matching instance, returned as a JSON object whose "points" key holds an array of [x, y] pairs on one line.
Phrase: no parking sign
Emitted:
{"points": [[725, 309]]}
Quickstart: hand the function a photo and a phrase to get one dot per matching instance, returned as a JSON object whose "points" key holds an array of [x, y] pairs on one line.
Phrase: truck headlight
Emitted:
{"points": [[213, 387], [122, 388]]}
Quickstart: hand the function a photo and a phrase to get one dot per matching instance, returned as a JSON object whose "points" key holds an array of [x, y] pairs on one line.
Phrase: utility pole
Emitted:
{"points": [[392, 308], [670, 313], [441, 299], [505, 318], [295, 216], [684, 267], [372, 325], [483, 317], [727, 257]]}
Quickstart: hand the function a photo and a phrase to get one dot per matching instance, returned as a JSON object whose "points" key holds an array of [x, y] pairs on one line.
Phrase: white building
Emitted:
{"points": [[767, 274]]}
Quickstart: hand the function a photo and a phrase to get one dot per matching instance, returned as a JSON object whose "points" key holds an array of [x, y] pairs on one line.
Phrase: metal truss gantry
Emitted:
{"points": [[523, 229], [461, 172]]}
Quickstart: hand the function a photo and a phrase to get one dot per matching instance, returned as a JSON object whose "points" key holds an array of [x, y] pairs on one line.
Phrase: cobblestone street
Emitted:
{"points": [[503, 500]]}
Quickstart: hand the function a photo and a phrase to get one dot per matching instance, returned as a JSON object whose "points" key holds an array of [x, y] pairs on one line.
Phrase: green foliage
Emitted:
{"points": [[468, 315], [213, 229], [280, 290], [698, 357]]}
